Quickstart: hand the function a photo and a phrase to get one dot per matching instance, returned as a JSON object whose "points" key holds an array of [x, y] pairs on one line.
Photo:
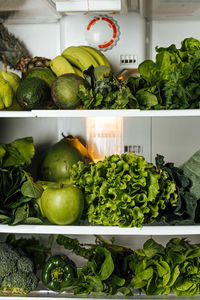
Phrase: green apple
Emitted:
{"points": [[63, 205], [45, 185]]}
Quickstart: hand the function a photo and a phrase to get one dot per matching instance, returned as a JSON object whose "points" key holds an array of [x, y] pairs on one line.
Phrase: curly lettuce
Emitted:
{"points": [[123, 190]]}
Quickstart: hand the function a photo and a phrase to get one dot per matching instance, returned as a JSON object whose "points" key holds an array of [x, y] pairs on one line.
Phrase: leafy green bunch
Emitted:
{"points": [[160, 270], [172, 81], [105, 92], [185, 211], [17, 189], [106, 270], [123, 190]]}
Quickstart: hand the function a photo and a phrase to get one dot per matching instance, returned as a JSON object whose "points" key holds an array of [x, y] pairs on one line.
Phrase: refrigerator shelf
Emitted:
{"points": [[100, 113], [102, 230]]}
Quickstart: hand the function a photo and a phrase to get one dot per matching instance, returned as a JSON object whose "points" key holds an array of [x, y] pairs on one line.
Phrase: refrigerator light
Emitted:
{"points": [[104, 136]]}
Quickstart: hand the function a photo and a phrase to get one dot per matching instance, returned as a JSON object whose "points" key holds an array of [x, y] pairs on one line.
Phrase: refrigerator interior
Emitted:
{"points": [[177, 138], [174, 137]]}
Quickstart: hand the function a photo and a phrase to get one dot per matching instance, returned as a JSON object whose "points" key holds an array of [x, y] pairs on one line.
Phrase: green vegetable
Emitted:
{"points": [[19, 283], [191, 169], [16, 271], [160, 270], [25, 265], [58, 271], [32, 248], [17, 189], [172, 81], [123, 190], [152, 273], [107, 93], [184, 212], [73, 244], [106, 270]]}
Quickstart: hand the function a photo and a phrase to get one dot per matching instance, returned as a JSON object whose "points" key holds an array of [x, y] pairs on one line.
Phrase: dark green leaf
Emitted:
{"points": [[31, 189], [21, 214]]}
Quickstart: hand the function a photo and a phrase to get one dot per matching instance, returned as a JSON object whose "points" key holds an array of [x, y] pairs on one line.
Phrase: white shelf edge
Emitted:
{"points": [[16, 114], [100, 113], [101, 230]]}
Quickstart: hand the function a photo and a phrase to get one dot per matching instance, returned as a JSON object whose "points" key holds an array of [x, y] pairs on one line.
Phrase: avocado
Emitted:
{"points": [[43, 73], [33, 93]]}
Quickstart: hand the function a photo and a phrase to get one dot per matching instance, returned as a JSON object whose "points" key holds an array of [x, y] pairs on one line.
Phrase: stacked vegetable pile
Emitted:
{"points": [[114, 269], [81, 77], [121, 190], [108, 268]]}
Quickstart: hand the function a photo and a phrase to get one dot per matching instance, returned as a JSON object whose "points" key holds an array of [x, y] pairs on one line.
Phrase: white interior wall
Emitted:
{"points": [[167, 32], [132, 37], [40, 39]]}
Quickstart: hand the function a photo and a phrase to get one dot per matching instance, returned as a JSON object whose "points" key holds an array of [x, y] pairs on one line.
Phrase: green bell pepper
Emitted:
{"points": [[58, 271]]}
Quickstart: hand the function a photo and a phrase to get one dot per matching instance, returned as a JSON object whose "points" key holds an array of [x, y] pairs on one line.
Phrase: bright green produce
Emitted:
{"points": [[155, 269], [9, 83], [12, 78], [105, 91], [44, 185], [60, 65], [17, 189], [63, 205], [60, 157], [64, 90], [14, 107], [124, 190], [6, 94], [159, 270], [16, 271], [33, 93], [79, 57], [43, 73], [106, 270], [97, 54], [172, 81]]}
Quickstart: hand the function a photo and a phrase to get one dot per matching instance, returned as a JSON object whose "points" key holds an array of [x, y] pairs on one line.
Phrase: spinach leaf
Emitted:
{"points": [[184, 212], [17, 189], [173, 79]]}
